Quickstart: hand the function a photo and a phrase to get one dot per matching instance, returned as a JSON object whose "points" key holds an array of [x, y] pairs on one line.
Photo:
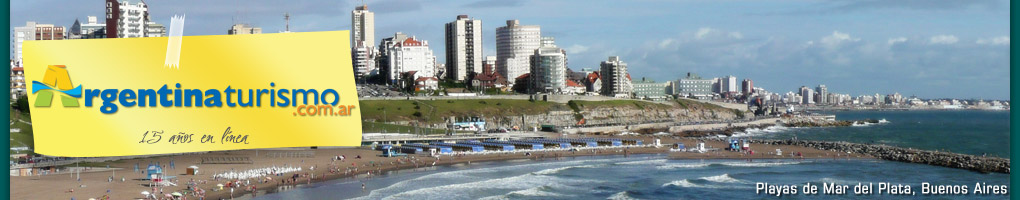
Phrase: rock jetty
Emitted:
{"points": [[885, 152]]}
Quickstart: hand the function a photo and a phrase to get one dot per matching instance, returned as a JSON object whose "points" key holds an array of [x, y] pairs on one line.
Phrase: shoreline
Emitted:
{"points": [[643, 152], [50, 186], [95, 183]]}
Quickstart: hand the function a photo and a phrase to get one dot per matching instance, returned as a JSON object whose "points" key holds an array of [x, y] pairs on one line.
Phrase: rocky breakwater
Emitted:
{"points": [[885, 152]]}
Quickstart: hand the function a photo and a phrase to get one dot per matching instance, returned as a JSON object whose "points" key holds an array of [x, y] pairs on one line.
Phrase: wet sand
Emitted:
{"points": [[57, 186]]}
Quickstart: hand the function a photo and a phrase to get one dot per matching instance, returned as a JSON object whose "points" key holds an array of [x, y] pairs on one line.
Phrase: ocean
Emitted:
{"points": [[656, 177], [972, 132]]}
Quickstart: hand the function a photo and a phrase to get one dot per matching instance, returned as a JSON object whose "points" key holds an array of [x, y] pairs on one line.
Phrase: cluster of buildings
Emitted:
{"points": [[123, 19], [524, 62]]}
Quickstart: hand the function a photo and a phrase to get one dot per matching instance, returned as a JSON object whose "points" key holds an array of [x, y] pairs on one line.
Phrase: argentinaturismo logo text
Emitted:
{"points": [[309, 102]]}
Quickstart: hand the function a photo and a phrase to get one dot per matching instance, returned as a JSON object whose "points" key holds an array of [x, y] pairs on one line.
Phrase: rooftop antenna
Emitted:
{"points": [[286, 16]]}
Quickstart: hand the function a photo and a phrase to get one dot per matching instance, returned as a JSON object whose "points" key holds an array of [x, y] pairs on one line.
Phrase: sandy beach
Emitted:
{"points": [[95, 183]]}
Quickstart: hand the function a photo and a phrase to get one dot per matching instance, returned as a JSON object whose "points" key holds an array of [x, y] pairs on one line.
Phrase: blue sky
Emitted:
{"points": [[928, 48]]}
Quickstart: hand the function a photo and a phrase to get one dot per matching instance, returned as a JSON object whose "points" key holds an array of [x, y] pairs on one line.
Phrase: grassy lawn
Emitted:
{"points": [[23, 138], [434, 111], [377, 127], [688, 103]]}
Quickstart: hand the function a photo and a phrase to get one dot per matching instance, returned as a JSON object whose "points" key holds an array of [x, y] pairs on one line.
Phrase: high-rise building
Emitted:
{"points": [[549, 68], [127, 20], [728, 84], [362, 25], [807, 96], [615, 80], [383, 57], [363, 52], [410, 55], [363, 57], [92, 29], [515, 43], [243, 29], [463, 48], [32, 31], [748, 86], [823, 94]]}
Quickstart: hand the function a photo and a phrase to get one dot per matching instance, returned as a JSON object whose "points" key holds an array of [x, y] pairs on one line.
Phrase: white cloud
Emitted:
{"points": [[706, 33], [577, 49], [893, 41], [943, 39], [665, 43], [736, 35], [1001, 40], [837, 38], [702, 32]]}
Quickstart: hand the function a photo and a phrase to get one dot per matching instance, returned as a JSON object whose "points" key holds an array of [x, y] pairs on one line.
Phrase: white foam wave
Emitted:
{"points": [[621, 196], [461, 174], [758, 131], [643, 162], [864, 123], [458, 191], [557, 170], [682, 165], [688, 184], [758, 164], [681, 183], [534, 192], [724, 178]]}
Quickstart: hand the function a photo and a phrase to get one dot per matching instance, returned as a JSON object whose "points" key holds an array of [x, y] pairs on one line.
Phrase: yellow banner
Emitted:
{"points": [[115, 97]]}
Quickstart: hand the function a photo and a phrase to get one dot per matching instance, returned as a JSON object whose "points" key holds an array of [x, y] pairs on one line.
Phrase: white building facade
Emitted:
{"points": [[363, 25], [411, 55], [549, 68], [515, 43], [615, 81]]}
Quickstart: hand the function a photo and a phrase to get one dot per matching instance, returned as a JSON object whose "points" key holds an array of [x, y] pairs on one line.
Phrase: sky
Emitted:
{"points": [[927, 48]]}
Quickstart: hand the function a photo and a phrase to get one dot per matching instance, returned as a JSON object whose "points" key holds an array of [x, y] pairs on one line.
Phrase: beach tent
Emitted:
{"points": [[153, 172], [192, 170]]}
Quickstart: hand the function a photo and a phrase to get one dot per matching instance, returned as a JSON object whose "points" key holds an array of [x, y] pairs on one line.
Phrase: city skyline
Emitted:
{"points": [[932, 49]]}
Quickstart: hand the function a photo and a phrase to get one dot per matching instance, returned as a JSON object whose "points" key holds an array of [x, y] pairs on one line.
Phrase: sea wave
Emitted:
{"points": [[458, 175], [534, 192], [750, 132], [682, 165], [621, 196], [723, 181], [864, 123], [724, 178], [682, 183], [557, 170], [459, 190], [759, 164], [643, 162]]}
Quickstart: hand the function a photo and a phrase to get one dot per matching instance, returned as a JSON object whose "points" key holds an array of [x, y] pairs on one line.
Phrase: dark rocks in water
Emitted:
{"points": [[885, 152], [819, 123]]}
